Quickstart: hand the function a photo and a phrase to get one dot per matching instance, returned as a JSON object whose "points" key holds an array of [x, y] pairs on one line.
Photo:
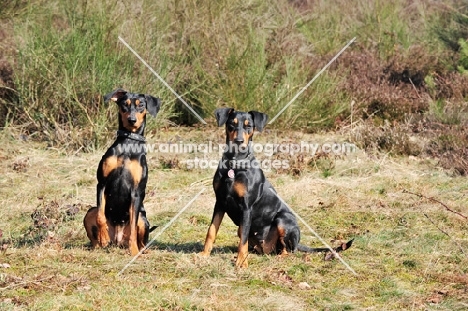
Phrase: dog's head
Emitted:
{"points": [[240, 126], [133, 108]]}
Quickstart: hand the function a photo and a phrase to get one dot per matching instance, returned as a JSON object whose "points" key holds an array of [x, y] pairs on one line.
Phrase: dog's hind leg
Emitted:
{"points": [[90, 225], [101, 220]]}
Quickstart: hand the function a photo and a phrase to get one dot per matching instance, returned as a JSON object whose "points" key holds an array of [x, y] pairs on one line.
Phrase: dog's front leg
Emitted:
{"points": [[101, 221], [218, 215], [243, 233], [134, 215]]}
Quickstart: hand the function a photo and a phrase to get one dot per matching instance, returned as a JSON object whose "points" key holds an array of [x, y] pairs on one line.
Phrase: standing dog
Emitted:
{"points": [[243, 192], [122, 174]]}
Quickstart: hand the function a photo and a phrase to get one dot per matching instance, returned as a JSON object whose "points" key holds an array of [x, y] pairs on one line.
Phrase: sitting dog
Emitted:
{"points": [[122, 175], [243, 192]]}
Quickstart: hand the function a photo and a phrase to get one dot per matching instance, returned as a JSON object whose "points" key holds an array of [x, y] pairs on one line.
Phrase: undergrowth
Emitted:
{"points": [[401, 87], [251, 56]]}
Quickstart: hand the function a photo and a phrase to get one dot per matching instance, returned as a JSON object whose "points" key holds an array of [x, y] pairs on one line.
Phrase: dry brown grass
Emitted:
{"points": [[409, 253]]}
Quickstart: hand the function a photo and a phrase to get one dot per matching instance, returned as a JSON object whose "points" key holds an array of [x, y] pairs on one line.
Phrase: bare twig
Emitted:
{"points": [[415, 89], [436, 201], [435, 225], [25, 283]]}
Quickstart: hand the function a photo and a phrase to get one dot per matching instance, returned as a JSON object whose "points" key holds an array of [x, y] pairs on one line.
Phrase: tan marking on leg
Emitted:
{"points": [[211, 234], [269, 245], [242, 251], [101, 221], [118, 235], [282, 234], [89, 222], [132, 242], [141, 233]]}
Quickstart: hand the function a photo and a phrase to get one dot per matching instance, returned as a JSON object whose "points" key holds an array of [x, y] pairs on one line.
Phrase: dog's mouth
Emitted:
{"points": [[132, 128], [235, 147], [240, 143]]}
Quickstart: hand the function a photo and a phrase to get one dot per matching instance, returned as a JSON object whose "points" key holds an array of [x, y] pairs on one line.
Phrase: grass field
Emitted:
{"points": [[399, 93], [409, 252]]}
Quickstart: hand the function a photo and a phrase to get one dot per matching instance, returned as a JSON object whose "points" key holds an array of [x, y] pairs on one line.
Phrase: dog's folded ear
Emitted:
{"points": [[260, 120], [222, 115], [115, 95], [152, 105]]}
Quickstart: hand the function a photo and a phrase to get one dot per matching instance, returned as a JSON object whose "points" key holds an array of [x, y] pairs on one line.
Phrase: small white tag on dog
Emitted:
{"points": [[231, 174]]}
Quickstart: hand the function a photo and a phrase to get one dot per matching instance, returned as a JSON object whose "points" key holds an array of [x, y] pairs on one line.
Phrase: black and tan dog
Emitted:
{"points": [[122, 175], [243, 192]]}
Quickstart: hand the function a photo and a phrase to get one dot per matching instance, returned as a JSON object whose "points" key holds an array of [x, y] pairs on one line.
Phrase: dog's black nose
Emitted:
{"points": [[239, 138], [131, 120]]}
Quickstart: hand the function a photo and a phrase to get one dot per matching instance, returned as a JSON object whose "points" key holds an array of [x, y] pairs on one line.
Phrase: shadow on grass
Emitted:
{"points": [[189, 248], [185, 248]]}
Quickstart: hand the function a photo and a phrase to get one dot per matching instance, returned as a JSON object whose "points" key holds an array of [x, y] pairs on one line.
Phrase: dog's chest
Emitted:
{"points": [[118, 161], [232, 185]]}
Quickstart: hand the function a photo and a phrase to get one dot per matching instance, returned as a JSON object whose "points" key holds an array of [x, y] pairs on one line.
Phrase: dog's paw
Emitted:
{"points": [[103, 239], [134, 250], [241, 262], [204, 254]]}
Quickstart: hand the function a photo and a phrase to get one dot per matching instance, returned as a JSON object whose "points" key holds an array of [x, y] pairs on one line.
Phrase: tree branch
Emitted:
{"points": [[436, 201]]}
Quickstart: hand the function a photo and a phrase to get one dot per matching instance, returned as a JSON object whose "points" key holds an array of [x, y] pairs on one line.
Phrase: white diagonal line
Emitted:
{"points": [[162, 80], [311, 81], [315, 233], [160, 232]]}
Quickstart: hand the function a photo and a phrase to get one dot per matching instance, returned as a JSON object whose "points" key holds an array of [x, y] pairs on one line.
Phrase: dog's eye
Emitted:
{"points": [[124, 108], [231, 127]]}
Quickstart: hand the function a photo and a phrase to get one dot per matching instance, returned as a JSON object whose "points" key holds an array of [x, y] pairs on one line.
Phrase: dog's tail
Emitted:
{"points": [[338, 249]]}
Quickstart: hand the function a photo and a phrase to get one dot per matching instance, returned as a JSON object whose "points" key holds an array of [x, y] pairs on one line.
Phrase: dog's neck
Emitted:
{"points": [[129, 135], [238, 160]]}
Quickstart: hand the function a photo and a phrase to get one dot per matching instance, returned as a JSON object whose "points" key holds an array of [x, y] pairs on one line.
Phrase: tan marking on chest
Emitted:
{"points": [[136, 170], [240, 189], [110, 164], [133, 166]]}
